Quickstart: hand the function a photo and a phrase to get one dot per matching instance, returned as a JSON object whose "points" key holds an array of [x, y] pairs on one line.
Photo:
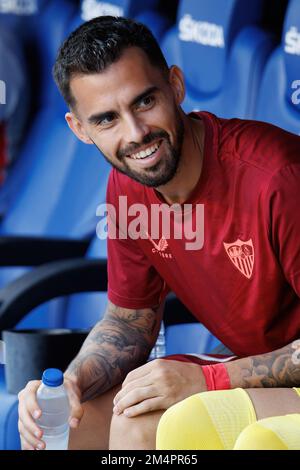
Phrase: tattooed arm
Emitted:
{"points": [[117, 344], [280, 368]]}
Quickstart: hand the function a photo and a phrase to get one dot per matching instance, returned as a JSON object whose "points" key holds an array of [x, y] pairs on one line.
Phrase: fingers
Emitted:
{"points": [[29, 424], [28, 412], [153, 404], [139, 393], [29, 442], [135, 397], [133, 385], [76, 411], [138, 386], [27, 399], [145, 375]]}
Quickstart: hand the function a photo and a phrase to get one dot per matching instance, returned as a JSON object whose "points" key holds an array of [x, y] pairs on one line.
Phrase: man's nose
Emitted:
{"points": [[135, 130]]}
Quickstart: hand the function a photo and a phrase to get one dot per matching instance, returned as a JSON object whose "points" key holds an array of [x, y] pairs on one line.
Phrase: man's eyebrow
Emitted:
{"points": [[151, 89], [95, 118]]}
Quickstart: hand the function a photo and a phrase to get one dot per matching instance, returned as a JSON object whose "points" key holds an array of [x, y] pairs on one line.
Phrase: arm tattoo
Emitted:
{"points": [[280, 368], [119, 343]]}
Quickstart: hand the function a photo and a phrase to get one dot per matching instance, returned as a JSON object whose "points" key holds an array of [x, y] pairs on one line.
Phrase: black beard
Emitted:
{"points": [[164, 170]]}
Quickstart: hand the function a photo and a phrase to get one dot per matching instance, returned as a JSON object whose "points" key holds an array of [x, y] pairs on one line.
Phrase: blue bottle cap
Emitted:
{"points": [[53, 377]]}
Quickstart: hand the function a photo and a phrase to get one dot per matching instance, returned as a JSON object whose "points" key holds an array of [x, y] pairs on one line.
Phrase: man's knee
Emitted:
{"points": [[205, 421], [134, 433], [186, 425]]}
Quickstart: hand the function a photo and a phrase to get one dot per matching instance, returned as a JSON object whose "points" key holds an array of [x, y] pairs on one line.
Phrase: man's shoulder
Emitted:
{"points": [[259, 144]]}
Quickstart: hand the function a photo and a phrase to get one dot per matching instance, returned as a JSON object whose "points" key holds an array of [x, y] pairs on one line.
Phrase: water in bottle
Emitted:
{"points": [[54, 404]]}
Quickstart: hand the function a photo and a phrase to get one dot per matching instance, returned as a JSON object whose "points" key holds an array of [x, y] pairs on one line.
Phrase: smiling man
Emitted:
{"points": [[243, 283]]}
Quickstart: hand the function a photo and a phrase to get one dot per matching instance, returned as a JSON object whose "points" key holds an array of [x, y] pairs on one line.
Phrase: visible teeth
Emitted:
{"points": [[145, 153]]}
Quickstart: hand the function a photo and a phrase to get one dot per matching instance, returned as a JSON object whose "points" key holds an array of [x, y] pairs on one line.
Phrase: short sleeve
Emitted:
{"points": [[284, 220], [132, 280]]}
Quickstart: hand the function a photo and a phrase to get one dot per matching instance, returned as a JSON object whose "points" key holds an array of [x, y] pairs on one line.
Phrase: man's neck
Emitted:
{"points": [[179, 189]]}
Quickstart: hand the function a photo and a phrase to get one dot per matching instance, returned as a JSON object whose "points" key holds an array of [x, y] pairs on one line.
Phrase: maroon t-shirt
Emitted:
{"points": [[243, 284]]}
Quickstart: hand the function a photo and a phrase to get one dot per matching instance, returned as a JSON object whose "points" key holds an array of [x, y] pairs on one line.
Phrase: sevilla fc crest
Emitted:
{"points": [[241, 254]]}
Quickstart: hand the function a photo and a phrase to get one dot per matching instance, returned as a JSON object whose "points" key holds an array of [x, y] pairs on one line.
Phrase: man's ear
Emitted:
{"points": [[176, 81], [76, 127]]}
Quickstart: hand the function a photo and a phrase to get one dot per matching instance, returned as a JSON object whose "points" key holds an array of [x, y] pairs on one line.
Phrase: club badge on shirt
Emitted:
{"points": [[241, 254]]}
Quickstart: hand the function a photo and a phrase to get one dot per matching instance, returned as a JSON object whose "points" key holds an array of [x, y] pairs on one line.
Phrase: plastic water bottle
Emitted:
{"points": [[159, 349], [54, 404]]}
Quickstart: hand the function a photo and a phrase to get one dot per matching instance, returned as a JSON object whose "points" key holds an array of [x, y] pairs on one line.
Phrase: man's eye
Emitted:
{"points": [[146, 102], [106, 121]]}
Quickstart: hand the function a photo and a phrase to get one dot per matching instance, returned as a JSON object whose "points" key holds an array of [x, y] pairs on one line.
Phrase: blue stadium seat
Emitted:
{"points": [[222, 51], [92, 304], [41, 26], [279, 97], [14, 106], [148, 12], [189, 338], [9, 436], [59, 199]]}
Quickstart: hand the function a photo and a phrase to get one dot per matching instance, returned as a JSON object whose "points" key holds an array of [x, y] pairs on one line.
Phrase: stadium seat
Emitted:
{"points": [[40, 25], [279, 96], [222, 50], [59, 199], [14, 104], [9, 436], [148, 12]]}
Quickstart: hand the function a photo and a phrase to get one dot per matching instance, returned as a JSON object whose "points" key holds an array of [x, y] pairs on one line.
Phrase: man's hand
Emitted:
{"points": [[158, 385], [31, 435]]}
